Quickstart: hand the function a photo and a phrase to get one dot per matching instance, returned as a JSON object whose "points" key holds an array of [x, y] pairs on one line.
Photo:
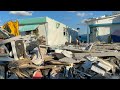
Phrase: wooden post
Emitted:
{"points": [[14, 50]]}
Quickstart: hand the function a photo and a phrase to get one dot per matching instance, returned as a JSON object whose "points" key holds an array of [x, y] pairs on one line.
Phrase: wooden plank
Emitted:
{"points": [[14, 50], [10, 39], [74, 50], [54, 62], [69, 60], [91, 46], [40, 67], [102, 54]]}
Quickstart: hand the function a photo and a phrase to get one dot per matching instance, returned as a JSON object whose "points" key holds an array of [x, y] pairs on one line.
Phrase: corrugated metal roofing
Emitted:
{"points": [[27, 28], [27, 21]]}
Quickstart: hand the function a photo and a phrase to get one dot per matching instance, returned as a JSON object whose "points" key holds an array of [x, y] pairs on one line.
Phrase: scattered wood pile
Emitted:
{"points": [[26, 58], [95, 61]]}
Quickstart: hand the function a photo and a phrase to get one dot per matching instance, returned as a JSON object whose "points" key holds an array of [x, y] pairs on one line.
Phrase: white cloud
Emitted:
{"points": [[91, 14], [81, 14], [21, 13]]}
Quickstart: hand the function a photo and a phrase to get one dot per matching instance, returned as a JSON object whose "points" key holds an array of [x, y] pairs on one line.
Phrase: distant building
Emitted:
{"points": [[104, 28], [115, 12], [55, 33]]}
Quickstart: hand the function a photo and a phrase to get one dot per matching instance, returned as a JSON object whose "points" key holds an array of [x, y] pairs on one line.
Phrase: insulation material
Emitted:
{"points": [[106, 67], [67, 53], [98, 70]]}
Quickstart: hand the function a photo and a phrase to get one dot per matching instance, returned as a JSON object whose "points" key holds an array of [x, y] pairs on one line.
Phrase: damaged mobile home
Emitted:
{"points": [[36, 48], [54, 32], [104, 29]]}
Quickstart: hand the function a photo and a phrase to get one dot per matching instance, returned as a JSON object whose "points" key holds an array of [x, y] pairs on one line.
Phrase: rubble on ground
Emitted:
{"points": [[36, 61]]}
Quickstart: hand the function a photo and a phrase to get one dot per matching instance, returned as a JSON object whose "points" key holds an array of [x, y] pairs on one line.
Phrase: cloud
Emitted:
{"points": [[21, 13], [81, 14], [90, 13]]}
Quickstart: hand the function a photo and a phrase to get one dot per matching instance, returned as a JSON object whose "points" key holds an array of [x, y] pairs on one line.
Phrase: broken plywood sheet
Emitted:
{"points": [[43, 51], [69, 60], [48, 58], [55, 62], [67, 54], [74, 50]]}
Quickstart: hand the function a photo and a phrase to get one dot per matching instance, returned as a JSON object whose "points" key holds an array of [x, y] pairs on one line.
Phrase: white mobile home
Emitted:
{"points": [[55, 33], [104, 29]]}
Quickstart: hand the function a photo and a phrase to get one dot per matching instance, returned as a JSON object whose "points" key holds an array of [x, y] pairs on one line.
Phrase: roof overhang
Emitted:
{"points": [[28, 27], [102, 25]]}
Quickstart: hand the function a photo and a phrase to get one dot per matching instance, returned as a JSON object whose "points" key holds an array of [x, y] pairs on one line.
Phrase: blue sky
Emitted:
{"points": [[73, 19]]}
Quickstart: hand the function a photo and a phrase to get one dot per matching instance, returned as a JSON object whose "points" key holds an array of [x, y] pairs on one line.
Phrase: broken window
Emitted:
{"points": [[64, 31]]}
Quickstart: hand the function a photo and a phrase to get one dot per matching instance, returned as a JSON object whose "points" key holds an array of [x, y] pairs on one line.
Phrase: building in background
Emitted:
{"points": [[54, 32], [104, 28]]}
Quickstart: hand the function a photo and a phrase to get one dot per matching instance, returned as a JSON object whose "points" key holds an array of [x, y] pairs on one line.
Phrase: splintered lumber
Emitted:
{"points": [[102, 54], [74, 50], [90, 47], [39, 67], [55, 62], [48, 58], [69, 60], [48, 66], [18, 63]]}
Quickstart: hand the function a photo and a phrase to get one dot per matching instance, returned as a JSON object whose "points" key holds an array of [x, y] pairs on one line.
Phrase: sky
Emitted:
{"points": [[74, 19]]}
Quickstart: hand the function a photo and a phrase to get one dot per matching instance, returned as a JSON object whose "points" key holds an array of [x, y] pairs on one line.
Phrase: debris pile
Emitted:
{"points": [[28, 58]]}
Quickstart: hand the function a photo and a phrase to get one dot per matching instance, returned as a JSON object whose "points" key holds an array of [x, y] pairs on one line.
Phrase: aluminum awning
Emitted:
{"points": [[28, 27]]}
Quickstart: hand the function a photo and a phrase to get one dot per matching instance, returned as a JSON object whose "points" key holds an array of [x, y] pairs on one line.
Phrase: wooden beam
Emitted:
{"points": [[102, 54]]}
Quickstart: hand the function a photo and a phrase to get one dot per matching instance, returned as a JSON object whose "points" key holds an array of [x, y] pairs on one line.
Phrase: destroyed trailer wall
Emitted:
{"points": [[54, 32], [104, 29], [59, 33], [34, 26]]}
